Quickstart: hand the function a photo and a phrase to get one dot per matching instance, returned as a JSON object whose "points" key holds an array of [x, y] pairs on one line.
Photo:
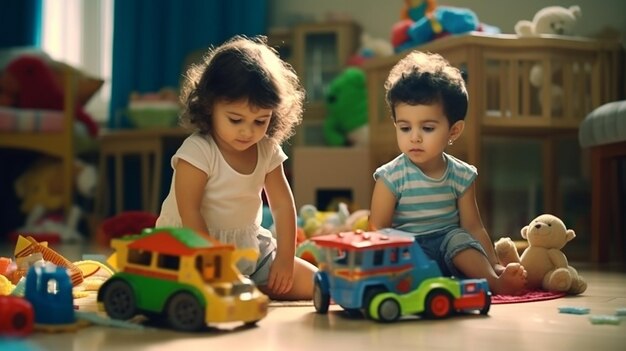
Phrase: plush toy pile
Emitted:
{"points": [[423, 21], [40, 189]]}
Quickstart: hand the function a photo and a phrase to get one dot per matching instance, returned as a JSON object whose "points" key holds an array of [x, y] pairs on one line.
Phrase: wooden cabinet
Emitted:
{"points": [[319, 53]]}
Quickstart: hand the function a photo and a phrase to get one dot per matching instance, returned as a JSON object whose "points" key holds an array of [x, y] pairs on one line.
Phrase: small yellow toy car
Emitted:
{"points": [[185, 278]]}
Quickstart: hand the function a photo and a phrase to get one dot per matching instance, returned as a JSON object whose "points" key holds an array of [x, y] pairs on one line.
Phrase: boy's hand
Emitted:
{"points": [[281, 275]]}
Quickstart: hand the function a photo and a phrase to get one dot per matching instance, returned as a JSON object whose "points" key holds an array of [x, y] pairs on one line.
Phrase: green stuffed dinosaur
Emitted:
{"points": [[346, 101]]}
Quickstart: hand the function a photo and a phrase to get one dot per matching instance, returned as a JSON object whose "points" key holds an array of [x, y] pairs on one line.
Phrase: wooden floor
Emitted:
{"points": [[508, 327]]}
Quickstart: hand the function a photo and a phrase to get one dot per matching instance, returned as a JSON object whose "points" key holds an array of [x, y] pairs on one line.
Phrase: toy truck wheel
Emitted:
{"points": [[251, 323], [119, 300], [438, 304], [321, 300], [487, 304], [368, 296], [184, 312], [389, 310]]}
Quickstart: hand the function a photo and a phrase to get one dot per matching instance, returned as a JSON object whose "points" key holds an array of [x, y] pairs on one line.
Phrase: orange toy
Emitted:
{"points": [[27, 246]]}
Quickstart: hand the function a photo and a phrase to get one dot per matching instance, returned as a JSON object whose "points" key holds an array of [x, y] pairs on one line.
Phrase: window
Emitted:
{"points": [[378, 257], [393, 255], [168, 262], [139, 257], [80, 33]]}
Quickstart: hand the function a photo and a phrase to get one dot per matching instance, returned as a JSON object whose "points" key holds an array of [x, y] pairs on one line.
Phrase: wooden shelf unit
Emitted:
{"points": [[503, 102], [319, 53]]}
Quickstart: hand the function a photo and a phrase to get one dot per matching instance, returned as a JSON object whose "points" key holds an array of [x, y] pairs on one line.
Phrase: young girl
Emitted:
{"points": [[243, 101], [427, 192]]}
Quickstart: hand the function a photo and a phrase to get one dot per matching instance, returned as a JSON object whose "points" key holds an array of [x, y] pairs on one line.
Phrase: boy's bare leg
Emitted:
{"points": [[511, 281]]}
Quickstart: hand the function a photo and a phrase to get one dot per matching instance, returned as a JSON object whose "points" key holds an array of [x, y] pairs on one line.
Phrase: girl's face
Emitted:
{"points": [[238, 125], [423, 133]]}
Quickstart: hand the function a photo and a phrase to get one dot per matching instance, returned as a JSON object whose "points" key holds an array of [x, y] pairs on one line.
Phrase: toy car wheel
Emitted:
{"points": [[321, 300], [184, 312], [438, 304], [389, 310], [119, 300], [368, 296], [487, 304], [353, 312], [251, 323]]}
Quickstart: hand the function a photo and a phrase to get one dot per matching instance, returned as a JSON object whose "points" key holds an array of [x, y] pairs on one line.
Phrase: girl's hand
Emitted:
{"points": [[281, 275]]}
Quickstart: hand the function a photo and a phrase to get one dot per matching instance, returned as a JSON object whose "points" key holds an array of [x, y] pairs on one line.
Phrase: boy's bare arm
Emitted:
{"points": [[382, 206], [472, 222]]}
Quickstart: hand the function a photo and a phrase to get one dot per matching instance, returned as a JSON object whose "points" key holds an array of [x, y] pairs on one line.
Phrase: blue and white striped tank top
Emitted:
{"points": [[426, 205]]}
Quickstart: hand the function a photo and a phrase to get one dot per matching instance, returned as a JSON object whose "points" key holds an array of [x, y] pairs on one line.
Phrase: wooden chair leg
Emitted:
{"points": [[606, 209], [599, 191]]}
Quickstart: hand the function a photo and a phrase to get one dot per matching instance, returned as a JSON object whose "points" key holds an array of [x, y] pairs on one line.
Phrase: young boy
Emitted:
{"points": [[428, 192]]}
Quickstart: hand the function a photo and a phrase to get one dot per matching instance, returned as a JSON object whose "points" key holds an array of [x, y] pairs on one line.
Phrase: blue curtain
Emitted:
{"points": [[151, 39], [20, 23]]}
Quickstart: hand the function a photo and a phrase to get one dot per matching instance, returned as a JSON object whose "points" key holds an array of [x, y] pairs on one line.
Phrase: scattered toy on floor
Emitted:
{"points": [[604, 319], [204, 285], [386, 275], [52, 306], [574, 310], [27, 246]]}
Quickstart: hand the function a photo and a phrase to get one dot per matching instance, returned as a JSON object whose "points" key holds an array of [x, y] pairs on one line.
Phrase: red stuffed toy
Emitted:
{"points": [[34, 86]]}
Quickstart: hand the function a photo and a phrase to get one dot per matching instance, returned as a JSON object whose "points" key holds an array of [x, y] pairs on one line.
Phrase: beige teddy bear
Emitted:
{"points": [[543, 259]]}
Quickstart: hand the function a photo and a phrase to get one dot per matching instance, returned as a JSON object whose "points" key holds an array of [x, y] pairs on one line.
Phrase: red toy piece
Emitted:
{"points": [[16, 316], [36, 88], [125, 223]]}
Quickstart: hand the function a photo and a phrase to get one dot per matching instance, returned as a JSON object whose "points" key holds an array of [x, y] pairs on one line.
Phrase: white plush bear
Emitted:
{"points": [[552, 20]]}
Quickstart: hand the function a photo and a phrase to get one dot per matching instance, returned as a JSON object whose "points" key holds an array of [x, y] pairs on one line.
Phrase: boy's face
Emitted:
{"points": [[238, 126], [423, 132]]}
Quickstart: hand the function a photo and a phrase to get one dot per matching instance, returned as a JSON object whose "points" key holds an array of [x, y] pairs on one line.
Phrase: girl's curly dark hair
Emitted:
{"points": [[243, 69]]}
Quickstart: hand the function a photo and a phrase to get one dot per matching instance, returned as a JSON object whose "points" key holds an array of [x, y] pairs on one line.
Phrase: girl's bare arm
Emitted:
{"points": [[189, 183]]}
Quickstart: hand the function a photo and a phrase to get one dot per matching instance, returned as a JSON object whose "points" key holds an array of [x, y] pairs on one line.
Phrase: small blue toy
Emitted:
{"points": [[604, 319], [574, 310], [49, 290]]}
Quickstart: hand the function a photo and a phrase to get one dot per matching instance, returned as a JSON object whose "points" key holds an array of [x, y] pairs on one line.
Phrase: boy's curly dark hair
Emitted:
{"points": [[243, 69], [423, 79]]}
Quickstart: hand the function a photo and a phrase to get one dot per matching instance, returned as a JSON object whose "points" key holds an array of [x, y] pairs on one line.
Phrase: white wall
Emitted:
{"points": [[378, 16]]}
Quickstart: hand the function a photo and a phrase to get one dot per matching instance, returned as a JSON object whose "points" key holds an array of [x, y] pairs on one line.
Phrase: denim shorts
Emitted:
{"points": [[267, 253], [443, 246]]}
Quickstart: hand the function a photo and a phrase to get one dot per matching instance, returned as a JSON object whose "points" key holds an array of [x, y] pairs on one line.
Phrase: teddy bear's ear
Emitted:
{"points": [[524, 231], [575, 10], [524, 28], [570, 234]]}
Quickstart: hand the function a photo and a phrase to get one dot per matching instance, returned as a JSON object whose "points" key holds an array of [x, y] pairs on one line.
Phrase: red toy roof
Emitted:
{"points": [[177, 242], [360, 240]]}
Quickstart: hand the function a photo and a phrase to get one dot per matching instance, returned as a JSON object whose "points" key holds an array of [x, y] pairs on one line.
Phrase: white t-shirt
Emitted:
{"points": [[231, 204]]}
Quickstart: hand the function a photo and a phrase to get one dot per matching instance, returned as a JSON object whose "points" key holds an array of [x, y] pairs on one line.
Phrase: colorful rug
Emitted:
{"points": [[529, 296]]}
